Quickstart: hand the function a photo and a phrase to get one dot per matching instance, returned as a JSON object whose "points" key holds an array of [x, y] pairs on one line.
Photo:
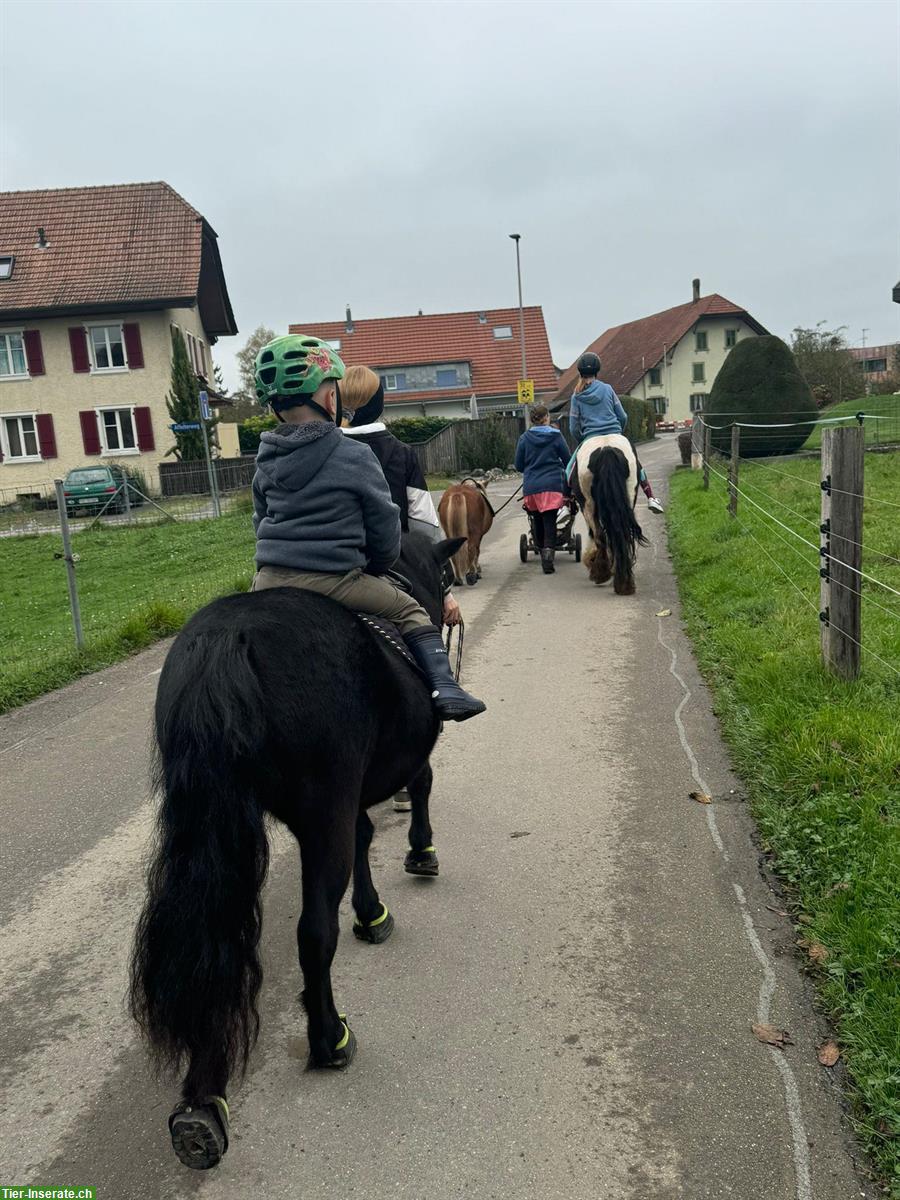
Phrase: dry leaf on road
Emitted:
{"points": [[828, 1053], [664, 612], [700, 797], [817, 952], [520, 833], [770, 1035], [779, 912]]}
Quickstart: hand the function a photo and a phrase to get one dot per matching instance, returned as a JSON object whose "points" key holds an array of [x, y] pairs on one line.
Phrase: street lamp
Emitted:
{"points": [[515, 237]]}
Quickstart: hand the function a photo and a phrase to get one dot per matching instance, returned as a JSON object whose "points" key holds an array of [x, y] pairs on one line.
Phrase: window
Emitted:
{"points": [[730, 338], [6, 265], [661, 404], [334, 343], [117, 430], [12, 356], [107, 347], [697, 401], [870, 365], [196, 353], [656, 376], [502, 331], [447, 377], [702, 343], [699, 373], [395, 382], [20, 437]]}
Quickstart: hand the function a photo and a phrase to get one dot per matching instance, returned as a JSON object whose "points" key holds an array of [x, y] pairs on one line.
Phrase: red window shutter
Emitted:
{"points": [[134, 351], [46, 436], [144, 427], [78, 345], [90, 435], [34, 354]]}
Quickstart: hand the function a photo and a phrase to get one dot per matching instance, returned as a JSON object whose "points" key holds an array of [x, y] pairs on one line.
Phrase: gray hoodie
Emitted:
{"points": [[321, 503]]}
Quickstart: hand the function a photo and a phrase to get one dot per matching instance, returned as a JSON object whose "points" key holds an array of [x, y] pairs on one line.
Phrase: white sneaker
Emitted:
{"points": [[654, 505], [402, 802]]}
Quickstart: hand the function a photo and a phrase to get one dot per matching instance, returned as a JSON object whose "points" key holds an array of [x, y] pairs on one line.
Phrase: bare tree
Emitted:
{"points": [[244, 400]]}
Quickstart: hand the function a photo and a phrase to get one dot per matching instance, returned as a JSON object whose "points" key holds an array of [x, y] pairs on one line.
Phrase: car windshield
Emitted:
{"points": [[89, 475]]}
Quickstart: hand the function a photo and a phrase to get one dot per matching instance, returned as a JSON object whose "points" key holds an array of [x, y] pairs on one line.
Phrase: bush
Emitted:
{"points": [[249, 431], [417, 429], [760, 384], [641, 425], [485, 445]]}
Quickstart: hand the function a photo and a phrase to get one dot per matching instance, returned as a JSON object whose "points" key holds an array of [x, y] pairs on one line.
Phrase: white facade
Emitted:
{"points": [[686, 377]]}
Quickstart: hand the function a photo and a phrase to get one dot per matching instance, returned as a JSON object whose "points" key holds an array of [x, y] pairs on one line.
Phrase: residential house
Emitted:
{"points": [[671, 357], [877, 363], [446, 364], [92, 282]]}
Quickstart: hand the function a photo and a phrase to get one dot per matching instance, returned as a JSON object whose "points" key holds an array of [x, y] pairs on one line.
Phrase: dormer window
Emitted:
{"points": [[6, 265], [502, 331]]}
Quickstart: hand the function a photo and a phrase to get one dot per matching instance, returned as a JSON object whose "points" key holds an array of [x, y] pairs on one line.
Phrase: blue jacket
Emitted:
{"points": [[596, 411], [321, 503], [541, 454]]}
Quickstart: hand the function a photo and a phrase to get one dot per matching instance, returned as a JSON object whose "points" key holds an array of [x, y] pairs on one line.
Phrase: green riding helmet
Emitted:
{"points": [[290, 369]]}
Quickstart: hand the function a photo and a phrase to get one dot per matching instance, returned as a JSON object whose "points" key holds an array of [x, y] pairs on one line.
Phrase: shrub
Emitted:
{"points": [[641, 425], [249, 431], [760, 384], [417, 429], [485, 445]]}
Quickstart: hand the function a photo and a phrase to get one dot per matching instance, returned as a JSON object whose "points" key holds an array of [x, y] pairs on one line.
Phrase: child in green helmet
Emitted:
{"points": [[323, 513]]}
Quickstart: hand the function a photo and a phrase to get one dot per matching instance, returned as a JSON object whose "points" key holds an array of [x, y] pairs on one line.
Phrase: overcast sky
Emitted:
{"points": [[380, 153]]}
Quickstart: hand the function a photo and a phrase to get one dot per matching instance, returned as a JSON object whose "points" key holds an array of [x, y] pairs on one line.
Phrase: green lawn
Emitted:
{"points": [[821, 758], [134, 584], [877, 432]]}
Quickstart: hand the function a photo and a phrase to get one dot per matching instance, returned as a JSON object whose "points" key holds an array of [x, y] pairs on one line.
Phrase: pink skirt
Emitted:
{"points": [[543, 501]]}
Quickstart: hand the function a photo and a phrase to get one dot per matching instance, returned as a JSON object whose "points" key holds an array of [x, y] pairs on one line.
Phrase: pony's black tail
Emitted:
{"points": [[614, 508], [195, 969]]}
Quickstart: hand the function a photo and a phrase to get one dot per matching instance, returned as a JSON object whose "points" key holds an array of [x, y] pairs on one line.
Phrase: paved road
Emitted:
{"points": [[564, 1013]]}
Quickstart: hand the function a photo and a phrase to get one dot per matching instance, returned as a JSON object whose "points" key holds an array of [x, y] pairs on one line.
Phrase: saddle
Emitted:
{"points": [[391, 634]]}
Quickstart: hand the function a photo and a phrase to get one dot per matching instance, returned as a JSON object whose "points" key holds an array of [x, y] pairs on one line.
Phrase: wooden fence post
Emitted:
{"points": [[707, 450], [696, 442], [733, 472], [843, 457]]}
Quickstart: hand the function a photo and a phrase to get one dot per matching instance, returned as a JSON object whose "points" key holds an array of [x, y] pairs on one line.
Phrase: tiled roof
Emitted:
{"points": [[119, 245], [628, 351], [496, 363]]}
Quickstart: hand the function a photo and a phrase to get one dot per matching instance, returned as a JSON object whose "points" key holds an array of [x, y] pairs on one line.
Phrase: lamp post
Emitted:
{"points": [[516, 237]]}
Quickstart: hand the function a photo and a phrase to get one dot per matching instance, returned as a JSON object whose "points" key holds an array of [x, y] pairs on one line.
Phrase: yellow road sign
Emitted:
{"points": [[526, 391]]}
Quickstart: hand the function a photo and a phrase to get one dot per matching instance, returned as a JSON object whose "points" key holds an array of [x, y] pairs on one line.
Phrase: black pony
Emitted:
{"points": [[279, 702]]}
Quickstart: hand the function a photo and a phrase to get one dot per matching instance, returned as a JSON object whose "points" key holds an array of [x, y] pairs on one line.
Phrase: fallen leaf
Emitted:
{"points": [[839, 887], [664, 612], [817, 952], [779, 912], [700, 797], [835, 745], [804, 919], [770, 1035], [521, 833], [828, 1054]]}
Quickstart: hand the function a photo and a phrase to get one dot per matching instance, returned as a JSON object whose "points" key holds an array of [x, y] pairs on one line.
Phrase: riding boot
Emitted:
{"points": [[451, 702], [547, 560]]}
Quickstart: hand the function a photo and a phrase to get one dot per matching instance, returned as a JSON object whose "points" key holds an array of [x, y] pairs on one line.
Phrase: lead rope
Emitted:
{"points": [[459, 646]]}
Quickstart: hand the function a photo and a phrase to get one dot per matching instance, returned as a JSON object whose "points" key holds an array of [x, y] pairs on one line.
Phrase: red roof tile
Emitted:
{"points": [[496, 364], [628, 351], [134, 243]]}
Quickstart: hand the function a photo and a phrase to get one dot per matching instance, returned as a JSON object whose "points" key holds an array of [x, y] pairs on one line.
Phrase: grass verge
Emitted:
{"points": [[887, 429], [821, 758], [135, 585]]}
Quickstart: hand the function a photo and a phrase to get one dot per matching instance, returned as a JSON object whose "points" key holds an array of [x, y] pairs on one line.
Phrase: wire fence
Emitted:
{"points": [[838, 548]]}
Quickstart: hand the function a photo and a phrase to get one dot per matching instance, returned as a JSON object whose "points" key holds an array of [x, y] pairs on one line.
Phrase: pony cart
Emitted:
{"points": [[565, 538]]}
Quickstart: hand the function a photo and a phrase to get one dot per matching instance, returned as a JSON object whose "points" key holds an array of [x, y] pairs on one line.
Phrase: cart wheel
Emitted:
{"points": [[523, 547], [578, 547]]}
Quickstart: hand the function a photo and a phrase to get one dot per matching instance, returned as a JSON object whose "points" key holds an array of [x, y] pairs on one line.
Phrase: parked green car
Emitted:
{"points": [[89, 488]]}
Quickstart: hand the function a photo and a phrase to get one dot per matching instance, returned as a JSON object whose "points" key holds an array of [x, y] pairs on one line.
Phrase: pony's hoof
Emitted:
{"points": [[376, 931], [471, 579], [200, 1133], [624, 589], [422, 862], [342, 1055]]}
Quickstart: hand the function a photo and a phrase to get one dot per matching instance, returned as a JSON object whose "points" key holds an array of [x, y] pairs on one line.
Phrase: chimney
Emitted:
{"points": [[42, 238], [349, 326], [420, 312], [696, 291]]}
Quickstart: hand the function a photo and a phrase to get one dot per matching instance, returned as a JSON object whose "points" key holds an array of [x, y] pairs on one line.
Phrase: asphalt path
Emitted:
{"points": [[565, 1012]]}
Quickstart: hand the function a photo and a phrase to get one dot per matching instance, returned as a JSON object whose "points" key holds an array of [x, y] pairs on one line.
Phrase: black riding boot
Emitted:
{"points": [[451, 702], [547, 556]]}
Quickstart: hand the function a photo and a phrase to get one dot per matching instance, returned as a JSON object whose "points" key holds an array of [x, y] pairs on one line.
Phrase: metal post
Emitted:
{"points": [[515, 237], [213, 486], [707, 450], [843, 459], [127, 491], [69, 561], [733, 473]]}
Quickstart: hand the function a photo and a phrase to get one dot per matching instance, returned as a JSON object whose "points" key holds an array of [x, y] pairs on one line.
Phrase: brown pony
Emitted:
{"points": [[465, 508]]}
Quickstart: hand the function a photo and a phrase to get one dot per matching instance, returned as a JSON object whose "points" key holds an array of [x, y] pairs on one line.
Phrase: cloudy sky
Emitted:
{"points": [[379, 153]]}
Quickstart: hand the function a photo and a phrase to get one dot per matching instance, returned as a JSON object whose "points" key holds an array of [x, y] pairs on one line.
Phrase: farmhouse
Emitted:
{"points": [[92, 282], [446, 364], [670, 358]]}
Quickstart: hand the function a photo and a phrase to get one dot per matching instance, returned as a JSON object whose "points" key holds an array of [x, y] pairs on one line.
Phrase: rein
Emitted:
{"points": [[459, 646], [481, 488]]}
